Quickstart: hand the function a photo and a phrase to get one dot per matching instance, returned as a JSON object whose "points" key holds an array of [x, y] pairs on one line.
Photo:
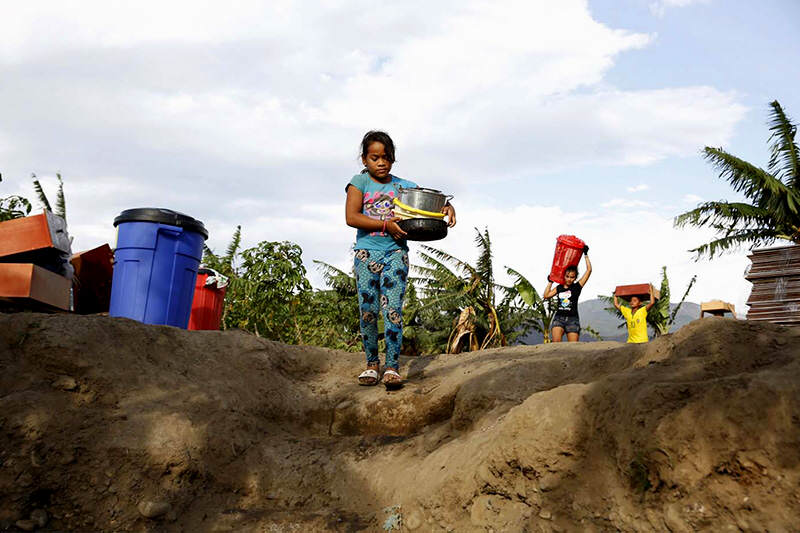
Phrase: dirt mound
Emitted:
{"points": [[108, 424]]}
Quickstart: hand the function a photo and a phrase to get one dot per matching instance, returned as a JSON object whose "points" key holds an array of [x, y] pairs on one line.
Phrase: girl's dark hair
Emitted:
{"points": [[571, 269], [378, 137]]}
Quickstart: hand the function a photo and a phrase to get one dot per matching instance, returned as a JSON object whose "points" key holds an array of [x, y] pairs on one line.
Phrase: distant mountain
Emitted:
{"points": [[593, 314]]}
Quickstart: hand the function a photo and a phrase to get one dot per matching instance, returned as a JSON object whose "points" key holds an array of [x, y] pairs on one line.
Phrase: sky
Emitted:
{"points": [[541, 118]]}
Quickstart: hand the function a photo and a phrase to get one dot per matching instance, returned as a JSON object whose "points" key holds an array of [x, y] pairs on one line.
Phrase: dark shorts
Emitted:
{"points": [[570, 324]]}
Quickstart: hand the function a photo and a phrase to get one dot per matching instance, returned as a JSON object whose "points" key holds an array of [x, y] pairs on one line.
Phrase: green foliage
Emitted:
{"points": [[270, 292], [589, 330], [426, 324], [267, 292], [42, 197], [227, 266], [541, 311], [331, 319], [13, 206], [18, 207], [660, 318], [61, 206], [774, 209], [449, 285]]}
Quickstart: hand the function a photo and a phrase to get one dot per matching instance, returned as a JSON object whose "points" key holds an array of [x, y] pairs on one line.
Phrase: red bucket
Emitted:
{"points": [[569, 250], [207, 304]]}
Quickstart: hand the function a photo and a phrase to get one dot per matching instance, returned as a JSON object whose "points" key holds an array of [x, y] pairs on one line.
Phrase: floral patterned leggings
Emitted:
{"points": [[381, 279]]}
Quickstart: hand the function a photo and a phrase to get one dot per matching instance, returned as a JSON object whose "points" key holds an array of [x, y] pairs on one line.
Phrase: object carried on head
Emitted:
{"points": [[569, 250], [421, 211], [640, 290]]}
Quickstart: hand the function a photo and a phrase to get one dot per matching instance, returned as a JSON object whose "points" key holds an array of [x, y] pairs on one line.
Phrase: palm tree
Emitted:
{"points": [[774, 211], [542, 310], [61, 207], [451, 286], [224, 264], [333, 318], [660, 318]]}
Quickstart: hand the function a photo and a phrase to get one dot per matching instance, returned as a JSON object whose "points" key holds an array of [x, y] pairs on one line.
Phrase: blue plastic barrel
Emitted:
{"points": [[155, 265]]}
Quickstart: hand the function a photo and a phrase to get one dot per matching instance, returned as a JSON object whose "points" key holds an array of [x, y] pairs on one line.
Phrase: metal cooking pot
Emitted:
{"points": [[423, 199], [424, 229]]}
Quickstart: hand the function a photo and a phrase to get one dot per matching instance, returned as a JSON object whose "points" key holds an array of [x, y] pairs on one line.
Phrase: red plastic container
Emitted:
{"points": [[569, 250], [207, 303]]}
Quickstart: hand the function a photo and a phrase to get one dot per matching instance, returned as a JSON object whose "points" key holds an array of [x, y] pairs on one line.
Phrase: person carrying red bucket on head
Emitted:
{"points": [[564, 273]]}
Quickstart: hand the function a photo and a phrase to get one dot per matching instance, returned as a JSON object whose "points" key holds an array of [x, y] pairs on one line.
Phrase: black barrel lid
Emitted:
{"points": [[162, 216]]}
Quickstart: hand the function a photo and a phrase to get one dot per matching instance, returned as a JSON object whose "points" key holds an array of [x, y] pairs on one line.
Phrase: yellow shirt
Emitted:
{"points": [[637, 323]]}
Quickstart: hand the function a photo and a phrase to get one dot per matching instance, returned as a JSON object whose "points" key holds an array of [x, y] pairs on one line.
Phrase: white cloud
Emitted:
{"points": [[625, 203], [691, 198], [257, 86], [639, 188], [659, 7]]}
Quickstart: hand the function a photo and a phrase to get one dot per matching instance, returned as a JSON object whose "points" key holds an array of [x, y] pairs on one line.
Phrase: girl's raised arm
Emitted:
{"points": [[549, 291], [588, 272]]}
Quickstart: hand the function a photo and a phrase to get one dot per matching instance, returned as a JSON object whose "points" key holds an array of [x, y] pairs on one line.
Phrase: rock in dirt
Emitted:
{"points": [[153, 509], [26, 525], [40, 517], [65, 383]]}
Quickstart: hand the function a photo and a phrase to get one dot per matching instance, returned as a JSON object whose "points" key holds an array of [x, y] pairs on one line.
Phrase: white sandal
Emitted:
{"points": [[392, 384], [368, 377]]}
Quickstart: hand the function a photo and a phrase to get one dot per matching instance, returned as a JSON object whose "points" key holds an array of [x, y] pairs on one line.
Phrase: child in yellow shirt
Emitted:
{"points": [[636, 317]]}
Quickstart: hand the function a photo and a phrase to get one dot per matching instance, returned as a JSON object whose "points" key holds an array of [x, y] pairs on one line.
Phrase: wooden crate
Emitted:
{"points": [[92, 282], [27, 286], [642, 290], [36, 232], [717, 307]]}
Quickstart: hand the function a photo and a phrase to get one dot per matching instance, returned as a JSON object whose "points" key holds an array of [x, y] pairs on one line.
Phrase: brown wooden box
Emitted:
{"points": [[92, 282], [642, 290], [28, 285], [717, 308], [36, 232]]}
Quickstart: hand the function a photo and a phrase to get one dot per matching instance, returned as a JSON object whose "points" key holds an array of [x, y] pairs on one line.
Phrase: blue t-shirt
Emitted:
{"points": [[378, 204]]}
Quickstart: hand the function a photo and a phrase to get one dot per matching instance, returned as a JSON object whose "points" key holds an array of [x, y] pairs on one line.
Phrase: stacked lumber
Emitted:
{"points": [[775, 275]]}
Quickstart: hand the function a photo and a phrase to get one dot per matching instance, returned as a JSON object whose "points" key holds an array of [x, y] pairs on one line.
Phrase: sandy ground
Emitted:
{"points": [[110, 425]]}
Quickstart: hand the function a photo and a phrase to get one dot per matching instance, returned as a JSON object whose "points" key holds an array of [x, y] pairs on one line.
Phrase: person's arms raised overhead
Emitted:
{"points": [[652, 301], [616, 302], [549, 291], [588, 272]]}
